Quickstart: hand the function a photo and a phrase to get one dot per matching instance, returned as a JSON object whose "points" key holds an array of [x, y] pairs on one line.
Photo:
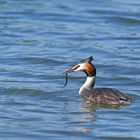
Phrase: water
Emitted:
{"points": [[39, 39]]}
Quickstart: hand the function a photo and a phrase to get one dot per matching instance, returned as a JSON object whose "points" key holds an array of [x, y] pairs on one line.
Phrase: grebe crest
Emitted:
{"points": [[106, 96]]}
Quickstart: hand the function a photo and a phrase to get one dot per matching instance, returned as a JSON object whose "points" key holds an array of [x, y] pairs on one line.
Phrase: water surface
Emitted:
{"points": [[39, 39]]}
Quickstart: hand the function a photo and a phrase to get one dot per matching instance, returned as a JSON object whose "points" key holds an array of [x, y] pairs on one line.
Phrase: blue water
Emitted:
{"points": [[39, 39]]}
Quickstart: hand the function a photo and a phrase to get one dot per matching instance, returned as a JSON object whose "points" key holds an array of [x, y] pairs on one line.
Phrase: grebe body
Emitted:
{"points": [[103, 96]]}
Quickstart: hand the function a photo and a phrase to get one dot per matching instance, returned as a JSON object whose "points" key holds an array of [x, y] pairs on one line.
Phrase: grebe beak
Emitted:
{"points": [[71, 69]]}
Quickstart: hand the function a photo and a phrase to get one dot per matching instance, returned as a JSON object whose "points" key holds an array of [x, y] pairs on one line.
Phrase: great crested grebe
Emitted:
{"points": [[102, 96]]}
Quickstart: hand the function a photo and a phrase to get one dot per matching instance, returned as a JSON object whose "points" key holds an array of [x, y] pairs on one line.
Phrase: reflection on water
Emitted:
{"points": [[39, 39], [89, 116], [88, 107]]}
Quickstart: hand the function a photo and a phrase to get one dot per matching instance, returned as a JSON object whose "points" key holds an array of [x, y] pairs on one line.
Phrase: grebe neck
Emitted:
{"points": [[88, 85]]}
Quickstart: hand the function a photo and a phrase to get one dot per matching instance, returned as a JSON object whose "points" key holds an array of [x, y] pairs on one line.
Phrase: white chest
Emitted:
{"points": [[88, 85]]}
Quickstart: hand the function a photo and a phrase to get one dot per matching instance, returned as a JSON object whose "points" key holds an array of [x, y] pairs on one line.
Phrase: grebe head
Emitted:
{"points": [[85, 66]]}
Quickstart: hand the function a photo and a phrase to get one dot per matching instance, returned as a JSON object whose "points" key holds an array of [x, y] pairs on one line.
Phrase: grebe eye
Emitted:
{"points": [[76, 67]]}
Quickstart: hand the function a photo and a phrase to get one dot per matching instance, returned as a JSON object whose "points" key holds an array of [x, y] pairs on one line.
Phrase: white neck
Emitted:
{"points": [[88, 85]]}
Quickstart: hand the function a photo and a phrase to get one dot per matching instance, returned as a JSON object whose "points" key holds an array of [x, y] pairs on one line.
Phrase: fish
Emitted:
{"points": [[66, 76]]}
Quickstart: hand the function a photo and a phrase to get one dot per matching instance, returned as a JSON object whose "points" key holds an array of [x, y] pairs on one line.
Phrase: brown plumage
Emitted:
{"points": [[103, 96], [106, 96], [90, 69]]}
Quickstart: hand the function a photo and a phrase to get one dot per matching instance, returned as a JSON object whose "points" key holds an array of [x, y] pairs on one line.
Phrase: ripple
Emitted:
{"points": [[126, 20]]}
